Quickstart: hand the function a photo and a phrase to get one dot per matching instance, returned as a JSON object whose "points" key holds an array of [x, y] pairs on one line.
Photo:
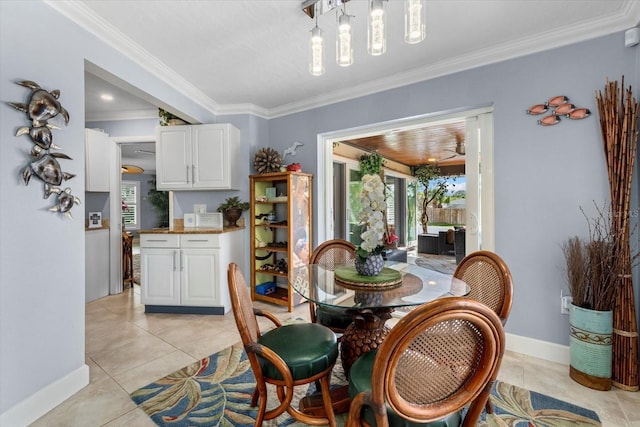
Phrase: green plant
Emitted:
{"points": [[233, 202], [160, 202], [371, 164], [166, 116], [426, 174]]}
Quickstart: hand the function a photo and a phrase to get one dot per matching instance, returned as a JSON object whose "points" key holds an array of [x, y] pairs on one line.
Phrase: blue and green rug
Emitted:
{"points": [[216, 391]]}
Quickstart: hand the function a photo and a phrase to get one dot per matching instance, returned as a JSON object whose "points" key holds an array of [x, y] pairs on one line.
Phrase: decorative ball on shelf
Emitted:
{"points": [[267, 160]]}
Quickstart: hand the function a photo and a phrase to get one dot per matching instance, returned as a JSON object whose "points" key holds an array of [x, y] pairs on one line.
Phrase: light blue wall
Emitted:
{"points": [[542, 174], [42, 255]]}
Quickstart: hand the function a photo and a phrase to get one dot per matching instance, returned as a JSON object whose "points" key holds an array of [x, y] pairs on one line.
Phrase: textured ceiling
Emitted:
{"points": [[253, 55]]}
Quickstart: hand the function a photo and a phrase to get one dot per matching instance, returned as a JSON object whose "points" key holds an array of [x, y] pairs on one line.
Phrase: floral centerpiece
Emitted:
{"points": [[369, 261]]}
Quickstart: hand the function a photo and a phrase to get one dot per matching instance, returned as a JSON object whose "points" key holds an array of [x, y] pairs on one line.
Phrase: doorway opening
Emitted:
{"points": [[478, 140]]}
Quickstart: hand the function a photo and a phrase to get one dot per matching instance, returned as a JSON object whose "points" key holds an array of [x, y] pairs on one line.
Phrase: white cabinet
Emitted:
{"points": [[199, 268], [186, 273], [96, 264], [198, 157], [96, 146]]}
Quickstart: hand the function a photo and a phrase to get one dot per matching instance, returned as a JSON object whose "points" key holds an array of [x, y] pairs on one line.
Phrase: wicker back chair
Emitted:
{"points": [[331, 254], [275, 361], [489, 279], [439, 358]]}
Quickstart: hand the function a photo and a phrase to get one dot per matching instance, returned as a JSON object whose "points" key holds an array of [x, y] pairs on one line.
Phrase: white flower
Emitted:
{"points": [[374, 205]]}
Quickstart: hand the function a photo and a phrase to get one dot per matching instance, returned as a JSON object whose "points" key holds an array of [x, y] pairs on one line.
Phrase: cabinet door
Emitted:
{"points": [[160, 274], [210, 157], [174, 158], [216, 150], [96, 145], [200, 277]]}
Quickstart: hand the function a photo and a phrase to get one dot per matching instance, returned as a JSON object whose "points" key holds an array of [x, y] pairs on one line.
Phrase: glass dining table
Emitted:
{"points": [[371, 304]]}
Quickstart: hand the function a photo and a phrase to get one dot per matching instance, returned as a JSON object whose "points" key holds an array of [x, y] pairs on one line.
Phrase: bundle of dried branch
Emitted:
{"points": [[592, 270], [619, 126]]}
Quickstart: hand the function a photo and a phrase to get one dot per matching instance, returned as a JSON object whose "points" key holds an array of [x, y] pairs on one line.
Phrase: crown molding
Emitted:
{"points": [[77, 12], [230, 109]]}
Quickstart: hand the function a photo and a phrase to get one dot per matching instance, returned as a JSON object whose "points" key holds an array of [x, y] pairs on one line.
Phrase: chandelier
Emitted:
{"points": [[414, 30]]}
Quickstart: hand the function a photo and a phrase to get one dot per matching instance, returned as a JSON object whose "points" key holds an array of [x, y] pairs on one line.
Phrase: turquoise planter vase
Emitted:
{"points": [[591, 347]]}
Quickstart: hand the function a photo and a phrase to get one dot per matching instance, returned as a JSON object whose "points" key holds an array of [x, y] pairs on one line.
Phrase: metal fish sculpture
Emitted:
{"points": [[538, 109], [579, 113], [549, 120], [41, 135], [42, 105], [64, 201], [557, 100], [47, 168], [564, 108]]}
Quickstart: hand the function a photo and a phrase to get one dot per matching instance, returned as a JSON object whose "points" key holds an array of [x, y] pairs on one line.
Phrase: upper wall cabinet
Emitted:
{"points": [[198, 157], [96, 146]]}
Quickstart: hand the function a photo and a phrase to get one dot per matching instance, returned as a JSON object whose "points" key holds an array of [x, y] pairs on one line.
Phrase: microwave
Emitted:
{"points": [[211, 220]]}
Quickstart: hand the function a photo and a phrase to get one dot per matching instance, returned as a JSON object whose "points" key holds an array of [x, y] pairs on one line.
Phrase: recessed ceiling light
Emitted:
{"points": [[106, 97]]}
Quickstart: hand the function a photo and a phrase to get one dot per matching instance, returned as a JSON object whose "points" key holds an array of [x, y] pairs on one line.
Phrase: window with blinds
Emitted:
{"points": [[130, 194]]}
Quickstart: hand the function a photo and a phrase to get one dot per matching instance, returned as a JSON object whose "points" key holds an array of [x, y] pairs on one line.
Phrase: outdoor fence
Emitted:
{"points": [[446, 215]]}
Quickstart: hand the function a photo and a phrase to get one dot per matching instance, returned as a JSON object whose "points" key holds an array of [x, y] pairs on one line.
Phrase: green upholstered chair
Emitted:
{"points": [[287, 356], [331, 254], [439, 358]]}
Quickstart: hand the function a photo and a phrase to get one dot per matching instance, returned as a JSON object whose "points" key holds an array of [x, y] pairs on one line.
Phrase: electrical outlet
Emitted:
{"points": [[565, 302]]}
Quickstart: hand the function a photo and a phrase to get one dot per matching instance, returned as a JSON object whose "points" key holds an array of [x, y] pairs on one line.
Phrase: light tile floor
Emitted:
{"points": [[127, 349]]}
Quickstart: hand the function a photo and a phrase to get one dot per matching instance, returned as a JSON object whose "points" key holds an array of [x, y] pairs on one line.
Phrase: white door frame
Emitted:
{"points": [[325, 143], [115, 210]]}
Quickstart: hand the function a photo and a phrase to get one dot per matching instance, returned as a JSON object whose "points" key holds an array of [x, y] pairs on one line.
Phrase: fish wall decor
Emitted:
{"points": [[558, 106]]}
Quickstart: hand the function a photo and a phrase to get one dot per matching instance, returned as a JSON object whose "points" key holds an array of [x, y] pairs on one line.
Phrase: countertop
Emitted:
{"points": [[102, 227], [195, 230]]}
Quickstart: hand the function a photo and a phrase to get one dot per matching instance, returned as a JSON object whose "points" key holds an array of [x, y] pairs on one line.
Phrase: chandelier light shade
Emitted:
{"points": [[414, 29], [377, 28], [344, 41], [316, 51], [415, 18]]}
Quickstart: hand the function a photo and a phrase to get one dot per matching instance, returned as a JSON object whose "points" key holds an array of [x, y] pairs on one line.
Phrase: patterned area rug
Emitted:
{"points": [[217, 391]]}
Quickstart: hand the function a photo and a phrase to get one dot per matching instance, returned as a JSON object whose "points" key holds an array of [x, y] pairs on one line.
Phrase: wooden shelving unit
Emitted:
{"points": [[280, 233]]}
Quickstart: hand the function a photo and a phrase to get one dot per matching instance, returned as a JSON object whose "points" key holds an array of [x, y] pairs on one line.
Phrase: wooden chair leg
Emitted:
{"points": [[254, 397], [489, 407]]}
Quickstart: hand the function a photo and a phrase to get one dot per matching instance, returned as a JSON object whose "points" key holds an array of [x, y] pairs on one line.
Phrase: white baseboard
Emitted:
{"points": [[41, 402], [540, 349]]}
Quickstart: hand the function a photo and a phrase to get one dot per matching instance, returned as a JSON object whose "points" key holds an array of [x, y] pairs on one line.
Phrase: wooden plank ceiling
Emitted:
{"points": [[442, 144]]}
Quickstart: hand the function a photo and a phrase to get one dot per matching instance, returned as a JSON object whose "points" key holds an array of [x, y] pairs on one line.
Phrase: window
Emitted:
{"points": [[130, 193]]}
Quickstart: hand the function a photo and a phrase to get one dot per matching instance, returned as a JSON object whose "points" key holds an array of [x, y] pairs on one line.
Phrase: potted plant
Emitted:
{"points": [[369, 261], [232, 209], [426, 174], [592, 274]]}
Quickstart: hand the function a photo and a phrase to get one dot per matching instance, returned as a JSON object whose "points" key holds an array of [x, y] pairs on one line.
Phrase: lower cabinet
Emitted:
{"points": [[186, 273]]}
